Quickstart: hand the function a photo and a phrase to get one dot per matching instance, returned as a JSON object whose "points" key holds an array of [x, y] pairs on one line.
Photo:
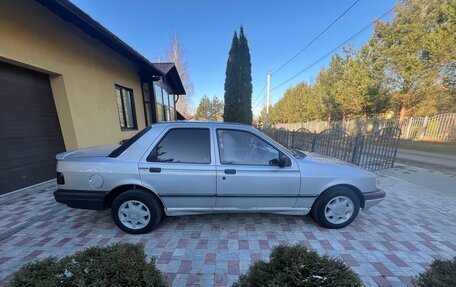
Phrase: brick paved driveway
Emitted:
{"points": [[385, 245]]}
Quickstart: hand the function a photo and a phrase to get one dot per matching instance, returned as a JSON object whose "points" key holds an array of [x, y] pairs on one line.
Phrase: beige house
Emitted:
{"points": [[66, 82]]}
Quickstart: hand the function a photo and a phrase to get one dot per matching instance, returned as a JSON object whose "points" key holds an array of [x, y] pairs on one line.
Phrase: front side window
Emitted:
{"points": [[126, 108], [183, 146], [239, 147]]}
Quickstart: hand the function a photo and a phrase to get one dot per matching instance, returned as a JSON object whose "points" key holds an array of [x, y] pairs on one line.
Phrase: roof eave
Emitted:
{"points": [[178, 86], [72, 14]]}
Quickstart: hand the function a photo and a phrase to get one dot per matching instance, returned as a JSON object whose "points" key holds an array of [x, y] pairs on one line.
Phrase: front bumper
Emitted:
{"points": [[373, 198], [84, 199]]}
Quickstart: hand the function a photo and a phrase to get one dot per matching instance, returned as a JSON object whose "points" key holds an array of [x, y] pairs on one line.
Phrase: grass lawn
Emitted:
{"points": [[436, 147]]}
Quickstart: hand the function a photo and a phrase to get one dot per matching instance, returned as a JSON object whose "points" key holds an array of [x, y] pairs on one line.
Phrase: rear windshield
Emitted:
{"points": [[118, 151]]}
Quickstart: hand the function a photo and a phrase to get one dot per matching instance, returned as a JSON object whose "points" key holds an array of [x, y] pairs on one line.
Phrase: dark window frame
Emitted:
{"points": [[183, 128], [133, 110], [165, 103], [244, 164], [148, 105]]}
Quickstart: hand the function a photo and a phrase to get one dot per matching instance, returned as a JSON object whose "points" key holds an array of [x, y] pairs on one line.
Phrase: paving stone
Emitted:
{"points": [[386, 245]]}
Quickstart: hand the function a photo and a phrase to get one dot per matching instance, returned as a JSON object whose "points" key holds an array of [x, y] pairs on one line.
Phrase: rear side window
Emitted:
{"points": [[183, 146]]}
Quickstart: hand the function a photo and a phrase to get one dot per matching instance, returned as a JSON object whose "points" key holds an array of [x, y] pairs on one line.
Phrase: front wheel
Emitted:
{"points": [[336, 207], [136, 211]]}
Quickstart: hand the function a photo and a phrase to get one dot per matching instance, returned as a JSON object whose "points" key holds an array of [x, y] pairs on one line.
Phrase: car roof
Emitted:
{"points": [[205, 123]]}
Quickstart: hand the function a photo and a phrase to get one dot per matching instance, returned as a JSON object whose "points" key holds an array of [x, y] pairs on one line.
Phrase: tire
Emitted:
{"points": [[339, 216], [141, 211]]}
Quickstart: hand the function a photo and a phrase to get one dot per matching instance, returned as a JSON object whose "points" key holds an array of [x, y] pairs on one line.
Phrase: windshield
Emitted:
{"points": [[297, 153], [294, 152]]}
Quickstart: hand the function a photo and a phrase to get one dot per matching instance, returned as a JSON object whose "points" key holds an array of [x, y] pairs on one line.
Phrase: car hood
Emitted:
{"points": [[95, 151], [321, 165]]}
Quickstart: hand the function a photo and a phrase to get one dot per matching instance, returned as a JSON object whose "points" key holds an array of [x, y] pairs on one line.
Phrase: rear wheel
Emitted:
{"points": [[336, 207], [136, 211]]}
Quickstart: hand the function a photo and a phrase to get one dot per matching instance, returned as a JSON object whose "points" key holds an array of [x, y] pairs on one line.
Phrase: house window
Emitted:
{"points": [[172, 108], [126, 108], [164, 104], [147, 104], [159, 103]]}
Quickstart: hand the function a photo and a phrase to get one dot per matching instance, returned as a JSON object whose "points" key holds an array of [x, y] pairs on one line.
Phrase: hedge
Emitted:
{"points": [[441, 273], [297, 266], [121, 264]]}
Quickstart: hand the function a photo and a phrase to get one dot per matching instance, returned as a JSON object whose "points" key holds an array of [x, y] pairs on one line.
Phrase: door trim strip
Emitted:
{"points": [[236, 195]]}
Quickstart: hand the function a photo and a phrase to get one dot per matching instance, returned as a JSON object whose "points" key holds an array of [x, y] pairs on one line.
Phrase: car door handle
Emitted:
{"points": [[230, 171], [155, 169]]}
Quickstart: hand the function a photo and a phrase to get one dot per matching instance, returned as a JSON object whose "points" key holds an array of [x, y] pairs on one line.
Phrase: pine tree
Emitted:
{"points": [[238, 82], [415, 50], [204, 110], [209, 110], [408, 67], [217, 109]]}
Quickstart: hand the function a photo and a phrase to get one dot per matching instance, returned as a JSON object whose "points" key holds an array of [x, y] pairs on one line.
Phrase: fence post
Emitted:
{"points": [[407, 135], [423, 130], [292, 139], [314, 139], [288, 139], [357, 148]]}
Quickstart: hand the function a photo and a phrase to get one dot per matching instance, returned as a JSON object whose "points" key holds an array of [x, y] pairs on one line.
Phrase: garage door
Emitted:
{"points": [[30, 134]]}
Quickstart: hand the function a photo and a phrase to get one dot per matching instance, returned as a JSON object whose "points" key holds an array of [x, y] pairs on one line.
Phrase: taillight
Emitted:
{"points": [[60, 178]]}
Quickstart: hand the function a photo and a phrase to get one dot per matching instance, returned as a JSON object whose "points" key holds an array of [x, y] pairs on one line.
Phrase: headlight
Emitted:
{"points": [[377, 182]]}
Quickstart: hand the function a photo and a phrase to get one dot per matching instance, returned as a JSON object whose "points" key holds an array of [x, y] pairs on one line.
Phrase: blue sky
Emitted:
{"points": [[276, 31]]}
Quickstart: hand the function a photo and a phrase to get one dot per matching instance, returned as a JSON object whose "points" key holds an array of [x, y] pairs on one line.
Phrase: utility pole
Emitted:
{"points": [[267, 100]]}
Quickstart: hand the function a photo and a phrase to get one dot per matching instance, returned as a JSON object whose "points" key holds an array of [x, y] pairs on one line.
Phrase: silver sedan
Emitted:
{"points": [[184, 168]]}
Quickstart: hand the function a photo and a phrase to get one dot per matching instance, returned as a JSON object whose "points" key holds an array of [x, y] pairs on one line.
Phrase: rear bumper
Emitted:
{"points": [[373, 198], [84, 199]]}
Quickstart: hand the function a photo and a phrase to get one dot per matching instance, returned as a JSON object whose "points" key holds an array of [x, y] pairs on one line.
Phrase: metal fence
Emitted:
{"points": [[372, 151], [437, 128], [433, 128]]}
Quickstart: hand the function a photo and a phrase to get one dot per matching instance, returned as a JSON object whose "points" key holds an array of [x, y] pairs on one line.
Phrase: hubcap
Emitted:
{"points": [[134, 214], [339, 210]]}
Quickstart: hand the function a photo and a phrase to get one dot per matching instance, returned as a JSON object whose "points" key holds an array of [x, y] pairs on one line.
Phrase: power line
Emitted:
{"points": [[316, 38], [337, 48], [259, 94], [259, 103]]}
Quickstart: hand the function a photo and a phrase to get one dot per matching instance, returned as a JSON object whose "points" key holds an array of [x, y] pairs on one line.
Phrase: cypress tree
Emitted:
{"points": [[245, 78], [238, 82], [230, 112]]}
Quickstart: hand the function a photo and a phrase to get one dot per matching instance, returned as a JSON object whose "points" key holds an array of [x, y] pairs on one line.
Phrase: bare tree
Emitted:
{"points": [[176, 55]]}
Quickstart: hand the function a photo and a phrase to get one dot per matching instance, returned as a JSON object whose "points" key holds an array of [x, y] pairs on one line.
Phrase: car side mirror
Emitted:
{"points": [[284, 160], [274, 161]]}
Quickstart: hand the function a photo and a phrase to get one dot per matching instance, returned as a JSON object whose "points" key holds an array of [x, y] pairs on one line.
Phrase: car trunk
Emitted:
{"points": [[102, 150]]}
